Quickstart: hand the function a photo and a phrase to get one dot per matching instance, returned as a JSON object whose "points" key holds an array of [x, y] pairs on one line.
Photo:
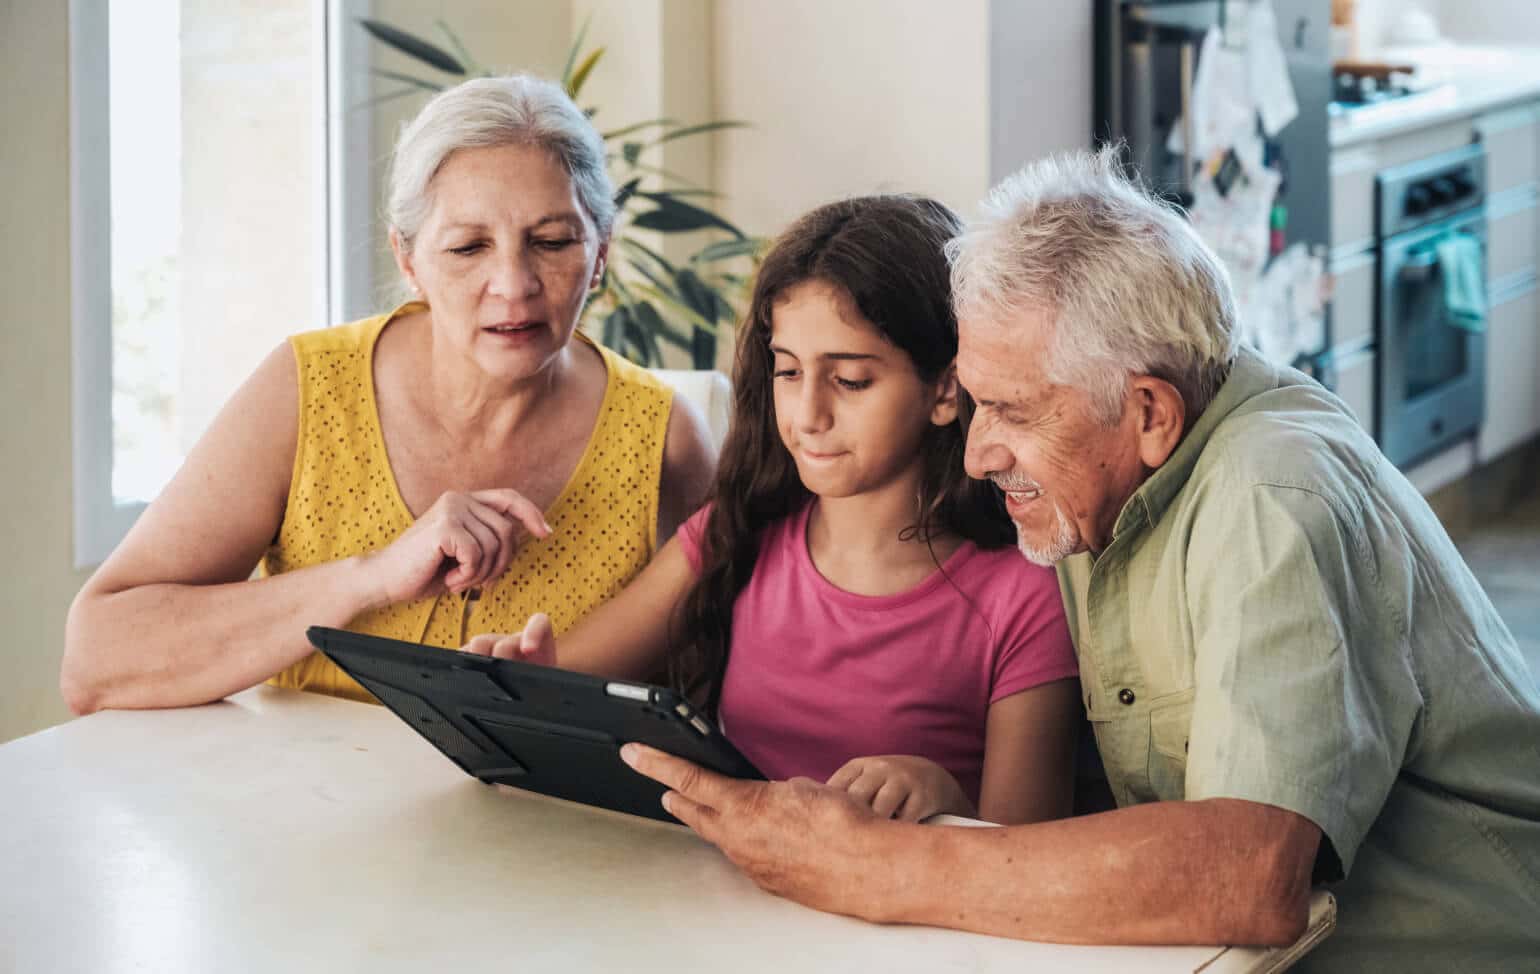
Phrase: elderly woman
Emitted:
{"points": [[429, 474]]}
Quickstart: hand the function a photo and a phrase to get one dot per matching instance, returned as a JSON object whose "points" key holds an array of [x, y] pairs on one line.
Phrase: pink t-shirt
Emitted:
{"points": [[818, 675]]}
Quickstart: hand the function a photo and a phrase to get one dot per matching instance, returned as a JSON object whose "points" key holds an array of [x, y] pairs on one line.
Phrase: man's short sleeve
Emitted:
{"points": [[1304, 696]]}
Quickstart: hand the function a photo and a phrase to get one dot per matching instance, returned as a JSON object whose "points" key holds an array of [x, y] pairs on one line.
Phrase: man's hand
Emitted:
{"points": [[902, 786], [798, 839]]}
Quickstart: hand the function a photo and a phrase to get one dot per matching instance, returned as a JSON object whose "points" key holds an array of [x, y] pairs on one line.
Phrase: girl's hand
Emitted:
{"points": [[902, 786], [463, 541], [536, 644]]}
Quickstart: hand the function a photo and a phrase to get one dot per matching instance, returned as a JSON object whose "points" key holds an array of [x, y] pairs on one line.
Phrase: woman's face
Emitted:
{"points": [[505, 258]]}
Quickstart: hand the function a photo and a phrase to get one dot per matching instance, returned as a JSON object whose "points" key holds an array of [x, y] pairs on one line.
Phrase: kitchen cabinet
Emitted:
{"points": [[1511, 141], [1355, 385], [1512, 229], [1513, 371], [1511, 138], [1352, 302]]}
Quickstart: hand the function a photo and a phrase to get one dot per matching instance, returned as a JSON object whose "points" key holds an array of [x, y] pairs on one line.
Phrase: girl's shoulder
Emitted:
{"points": [[1008, 568]]}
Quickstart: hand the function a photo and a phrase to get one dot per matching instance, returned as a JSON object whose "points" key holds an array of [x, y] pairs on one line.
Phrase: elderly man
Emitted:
{"points": [[1292, 676]]}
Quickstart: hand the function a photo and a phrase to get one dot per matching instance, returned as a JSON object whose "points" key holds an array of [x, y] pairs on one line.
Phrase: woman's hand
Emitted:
{"points": [[462, 542], [536, 644], [902, 786]]}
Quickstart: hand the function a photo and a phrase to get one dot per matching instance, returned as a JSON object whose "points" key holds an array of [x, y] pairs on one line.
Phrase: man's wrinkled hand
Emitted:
{"points": [[798, 839]]}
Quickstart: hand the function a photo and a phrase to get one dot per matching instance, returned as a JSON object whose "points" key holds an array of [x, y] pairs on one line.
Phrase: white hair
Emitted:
{"points": [[1127, 283], [512, 110]]}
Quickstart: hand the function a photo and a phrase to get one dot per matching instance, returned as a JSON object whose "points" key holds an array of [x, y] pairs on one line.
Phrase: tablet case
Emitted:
{"points": [[534, 727]]}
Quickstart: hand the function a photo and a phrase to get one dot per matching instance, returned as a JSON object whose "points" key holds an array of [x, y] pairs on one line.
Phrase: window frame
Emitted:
{"points": [[100, 520]]}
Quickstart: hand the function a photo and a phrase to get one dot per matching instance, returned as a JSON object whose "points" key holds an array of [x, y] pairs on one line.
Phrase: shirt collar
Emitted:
{"points": [[1249, 376]]}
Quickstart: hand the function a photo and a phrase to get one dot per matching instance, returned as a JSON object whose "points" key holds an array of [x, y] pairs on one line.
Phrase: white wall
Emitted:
{"points": [[35, 490], [1039, 81], [1502, 22], [852, 97], [873, 95], [1506, 22]]}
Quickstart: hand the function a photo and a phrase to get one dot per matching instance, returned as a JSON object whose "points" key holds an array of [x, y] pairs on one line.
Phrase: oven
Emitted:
{"points": [[1431, 371]]}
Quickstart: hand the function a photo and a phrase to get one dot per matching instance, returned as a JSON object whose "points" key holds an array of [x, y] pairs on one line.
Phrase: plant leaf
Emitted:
{"points": [[406, 79], [683, 309], [651, 275], [673, 215], [653, 255], [623, 194], [700, 297], [413, 46], [580, 75], [726, 249], [610, 336], [700, 129], [664, 173], [459, 48], [572, 54], [644, 341], [627, 130], [649, 318]]}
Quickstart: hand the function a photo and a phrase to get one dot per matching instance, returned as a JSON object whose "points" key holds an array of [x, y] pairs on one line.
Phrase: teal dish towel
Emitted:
{"points": [[1465, 294]]}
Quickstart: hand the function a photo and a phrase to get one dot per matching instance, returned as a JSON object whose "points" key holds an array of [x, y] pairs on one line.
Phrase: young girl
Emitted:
{"points": [[849, 604]]}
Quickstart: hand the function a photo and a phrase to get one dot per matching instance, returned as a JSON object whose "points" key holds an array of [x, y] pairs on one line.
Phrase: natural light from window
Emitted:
{"points": [[146, 139]]}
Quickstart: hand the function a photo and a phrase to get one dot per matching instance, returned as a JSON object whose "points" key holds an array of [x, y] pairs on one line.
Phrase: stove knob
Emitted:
{"points": [[1444, 191], [1464, 185], [1418, 200]]}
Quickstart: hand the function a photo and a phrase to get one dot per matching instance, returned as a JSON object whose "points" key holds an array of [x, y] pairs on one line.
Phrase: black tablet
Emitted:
{"points": [[534, 727]]}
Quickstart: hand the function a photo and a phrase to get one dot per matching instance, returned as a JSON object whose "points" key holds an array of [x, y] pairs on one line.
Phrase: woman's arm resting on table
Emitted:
{"points": [[1220, 871], [172, 618], [1029, 754]]}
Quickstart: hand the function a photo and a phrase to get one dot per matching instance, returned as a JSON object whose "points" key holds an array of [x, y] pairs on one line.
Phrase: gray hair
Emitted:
{"points": [[515, 109], [1129, 286]]}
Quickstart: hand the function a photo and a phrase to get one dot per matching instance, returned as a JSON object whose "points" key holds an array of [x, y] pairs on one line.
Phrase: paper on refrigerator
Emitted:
{"points": [[1284, 315], [1235, 224], [1267, 71], [1220, 101]]}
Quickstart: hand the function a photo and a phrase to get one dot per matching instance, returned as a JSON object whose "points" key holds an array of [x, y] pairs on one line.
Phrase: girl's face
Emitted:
{"points": [[505, 257], [849, 405]]}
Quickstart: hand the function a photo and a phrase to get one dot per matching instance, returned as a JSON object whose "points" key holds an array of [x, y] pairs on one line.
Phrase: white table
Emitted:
{"points": [[288, 831]]}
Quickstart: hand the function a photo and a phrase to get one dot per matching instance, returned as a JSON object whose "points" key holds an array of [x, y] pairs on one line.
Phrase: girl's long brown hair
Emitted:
{"points": [[886, 253]]}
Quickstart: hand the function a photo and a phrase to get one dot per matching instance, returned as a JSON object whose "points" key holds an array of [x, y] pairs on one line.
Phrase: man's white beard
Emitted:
{"points": [[1063, 544]]}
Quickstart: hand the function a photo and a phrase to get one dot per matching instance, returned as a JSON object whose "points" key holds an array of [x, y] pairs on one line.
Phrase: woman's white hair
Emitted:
{"points": [[1127, 284], [512, 110]]}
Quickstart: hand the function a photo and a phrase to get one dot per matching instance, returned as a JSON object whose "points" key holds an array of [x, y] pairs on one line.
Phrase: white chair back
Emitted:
{"points": [[711, 393]]}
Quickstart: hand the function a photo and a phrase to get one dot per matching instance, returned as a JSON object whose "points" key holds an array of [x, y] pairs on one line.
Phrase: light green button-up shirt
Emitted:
{"points": [[1280, 618]]}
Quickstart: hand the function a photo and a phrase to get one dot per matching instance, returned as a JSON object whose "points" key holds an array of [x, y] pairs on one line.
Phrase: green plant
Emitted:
{"points": [[645, 300]]}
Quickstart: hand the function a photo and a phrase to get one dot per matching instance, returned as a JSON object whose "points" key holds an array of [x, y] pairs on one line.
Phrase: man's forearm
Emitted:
{"points": [[1212, 872]]}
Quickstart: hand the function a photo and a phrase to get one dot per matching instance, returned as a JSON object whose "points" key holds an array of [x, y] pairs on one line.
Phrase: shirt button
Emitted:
{"points": [[1125, 696]]}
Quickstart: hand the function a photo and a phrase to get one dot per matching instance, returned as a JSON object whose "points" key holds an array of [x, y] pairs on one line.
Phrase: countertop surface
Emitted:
{"points": [[1457, 81]]}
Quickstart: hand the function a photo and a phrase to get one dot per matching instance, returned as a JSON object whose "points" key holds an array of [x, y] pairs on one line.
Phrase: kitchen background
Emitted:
{"points": [[258, 215]]}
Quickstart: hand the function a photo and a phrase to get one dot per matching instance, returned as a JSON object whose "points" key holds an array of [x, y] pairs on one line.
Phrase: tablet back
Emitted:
{"points": [[533, 727]]}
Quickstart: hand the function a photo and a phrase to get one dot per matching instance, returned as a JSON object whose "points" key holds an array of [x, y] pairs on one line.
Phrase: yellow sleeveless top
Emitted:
{"points": [[343, 501]]}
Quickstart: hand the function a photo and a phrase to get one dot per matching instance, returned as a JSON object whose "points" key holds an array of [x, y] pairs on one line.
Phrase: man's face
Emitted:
{"points": [[1065, 474]]}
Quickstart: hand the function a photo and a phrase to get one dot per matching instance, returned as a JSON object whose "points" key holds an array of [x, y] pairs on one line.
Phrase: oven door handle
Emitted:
{"points": [[1418, 266]]}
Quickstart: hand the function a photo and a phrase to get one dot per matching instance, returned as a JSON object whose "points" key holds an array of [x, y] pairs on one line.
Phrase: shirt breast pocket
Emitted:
{"points": [[1170, 727]]}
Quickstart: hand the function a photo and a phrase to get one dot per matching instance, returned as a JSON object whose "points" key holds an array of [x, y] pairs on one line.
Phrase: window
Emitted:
{"points": [[199, 226]]}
